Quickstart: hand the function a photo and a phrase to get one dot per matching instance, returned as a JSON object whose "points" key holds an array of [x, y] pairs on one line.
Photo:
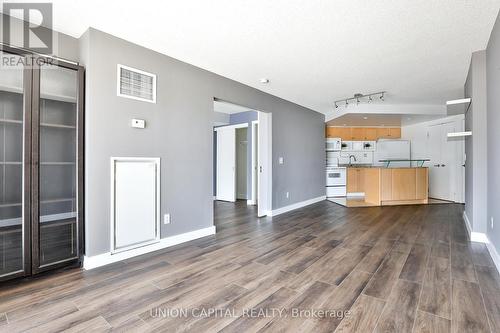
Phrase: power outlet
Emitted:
{"points": [[491, 222], [166, 219], [287, 194]]}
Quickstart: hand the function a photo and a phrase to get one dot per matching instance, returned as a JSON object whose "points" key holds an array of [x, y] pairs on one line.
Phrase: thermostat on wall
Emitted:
{"points": [[138, 123]]}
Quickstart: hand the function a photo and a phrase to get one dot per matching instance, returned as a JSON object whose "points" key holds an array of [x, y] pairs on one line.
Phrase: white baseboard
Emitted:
{"points": [[494, 254], [108, 258], [483, 238], [295, 206], [474, 236], [467, 222], [250, 202]]}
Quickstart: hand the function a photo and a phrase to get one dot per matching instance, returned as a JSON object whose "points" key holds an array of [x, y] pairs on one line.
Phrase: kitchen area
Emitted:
{"points": [[373, 166]]}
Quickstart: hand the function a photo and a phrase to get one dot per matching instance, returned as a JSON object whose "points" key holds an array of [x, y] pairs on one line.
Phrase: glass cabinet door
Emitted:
{"points": [[57, 221], [12, 127]]}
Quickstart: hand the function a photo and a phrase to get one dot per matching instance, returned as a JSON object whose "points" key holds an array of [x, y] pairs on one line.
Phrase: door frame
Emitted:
{"points": [[255, 142], [265, 158], [457, 177], [222, 128]]}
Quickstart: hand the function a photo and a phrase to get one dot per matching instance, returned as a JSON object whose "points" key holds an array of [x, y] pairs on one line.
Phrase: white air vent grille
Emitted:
{"points": [[136, 84]]}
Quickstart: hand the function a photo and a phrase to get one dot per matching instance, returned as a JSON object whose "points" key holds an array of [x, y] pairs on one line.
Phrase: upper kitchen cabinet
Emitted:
{"points": [[339, 132], [357, 134], [363, 133], [371, 134], [389, 133]]}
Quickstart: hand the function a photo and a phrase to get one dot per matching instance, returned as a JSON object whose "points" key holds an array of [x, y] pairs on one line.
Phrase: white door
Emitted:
{"points": [[226, 164], [442, 154], [264, 178]]}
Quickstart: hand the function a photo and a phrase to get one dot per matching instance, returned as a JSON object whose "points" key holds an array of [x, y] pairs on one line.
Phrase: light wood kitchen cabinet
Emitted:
{"points": [[404, 184], [383, 133], [395, 132], [371, 134], [363, 133], [422, 184], [357, 134], [355, 180], [339, 132]]}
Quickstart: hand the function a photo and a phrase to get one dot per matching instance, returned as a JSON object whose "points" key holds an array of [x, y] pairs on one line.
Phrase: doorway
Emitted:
{"points": [[242, 156], [446, 160]]}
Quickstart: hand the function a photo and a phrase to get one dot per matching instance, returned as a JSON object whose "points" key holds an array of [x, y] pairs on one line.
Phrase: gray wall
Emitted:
{"points": [[476, 177], [493, 79], [179, 131]]}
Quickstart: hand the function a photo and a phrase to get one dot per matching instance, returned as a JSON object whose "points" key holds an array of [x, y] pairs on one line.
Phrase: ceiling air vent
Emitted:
{"points": [[136, 84]]}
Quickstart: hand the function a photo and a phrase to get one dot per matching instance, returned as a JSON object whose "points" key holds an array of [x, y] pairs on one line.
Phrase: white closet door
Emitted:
{"points": [[226, 164], [135, 201]]}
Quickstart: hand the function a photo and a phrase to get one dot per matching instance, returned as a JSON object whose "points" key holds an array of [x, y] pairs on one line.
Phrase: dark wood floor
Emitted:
{"points": [[381, 269]]}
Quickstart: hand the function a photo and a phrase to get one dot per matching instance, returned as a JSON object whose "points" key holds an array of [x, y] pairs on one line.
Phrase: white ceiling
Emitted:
{"points": [[313, 51], [370, 119]]}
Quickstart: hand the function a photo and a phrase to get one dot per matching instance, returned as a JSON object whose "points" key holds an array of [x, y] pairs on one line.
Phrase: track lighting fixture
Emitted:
{"points": [[358, 98]]}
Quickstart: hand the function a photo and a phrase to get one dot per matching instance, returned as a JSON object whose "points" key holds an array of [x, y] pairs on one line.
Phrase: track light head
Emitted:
{"points": [[370, 99], [336, 105], [382, 97]]}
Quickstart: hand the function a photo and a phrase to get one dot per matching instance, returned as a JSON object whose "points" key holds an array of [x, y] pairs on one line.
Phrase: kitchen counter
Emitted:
{"points": [[383, 186]]}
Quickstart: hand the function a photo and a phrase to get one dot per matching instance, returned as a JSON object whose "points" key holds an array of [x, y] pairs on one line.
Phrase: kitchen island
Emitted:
{"points": [[382, 186]]}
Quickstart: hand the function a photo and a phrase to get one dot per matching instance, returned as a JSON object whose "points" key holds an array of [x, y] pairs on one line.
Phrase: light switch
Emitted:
{"points": [[138, 123], [166, 219], [280, 160]]}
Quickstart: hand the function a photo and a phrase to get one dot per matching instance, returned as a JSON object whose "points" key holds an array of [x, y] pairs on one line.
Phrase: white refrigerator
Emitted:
{"points": [[393, 150]]}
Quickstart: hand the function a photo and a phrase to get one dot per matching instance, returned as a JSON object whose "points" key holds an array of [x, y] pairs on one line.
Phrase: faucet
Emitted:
{"points": [[350, 162]]}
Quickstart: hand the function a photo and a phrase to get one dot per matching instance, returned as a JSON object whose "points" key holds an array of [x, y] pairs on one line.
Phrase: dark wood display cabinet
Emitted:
{"points": [[41, 163]]}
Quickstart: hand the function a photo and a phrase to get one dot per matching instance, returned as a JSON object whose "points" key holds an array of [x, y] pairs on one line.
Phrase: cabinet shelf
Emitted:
{"points": [[10, 121], [52, 97], [57, 163], [58, 126], [11, 163]]}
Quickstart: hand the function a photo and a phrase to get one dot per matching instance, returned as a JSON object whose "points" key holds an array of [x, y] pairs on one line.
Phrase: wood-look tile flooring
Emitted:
{"points": [[377, 269]]}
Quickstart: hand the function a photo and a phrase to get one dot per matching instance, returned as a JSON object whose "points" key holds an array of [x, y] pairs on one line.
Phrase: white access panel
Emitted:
{"points": [[135, 202]]}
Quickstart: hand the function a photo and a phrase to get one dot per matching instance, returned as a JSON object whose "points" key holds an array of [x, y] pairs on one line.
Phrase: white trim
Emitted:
{"points": [[296, 205], [467, 223], [458, 101], [478, 237], [355, 194], [474, 236], [118, 78], [113, 160], [244, 125], [494, 254], [254, 163], [483, 238], [459, 134], [250, 202], [108, 258]]}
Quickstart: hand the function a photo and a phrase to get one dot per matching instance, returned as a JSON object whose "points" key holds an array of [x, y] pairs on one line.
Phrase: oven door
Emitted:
{"points": [[335, 177]]}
